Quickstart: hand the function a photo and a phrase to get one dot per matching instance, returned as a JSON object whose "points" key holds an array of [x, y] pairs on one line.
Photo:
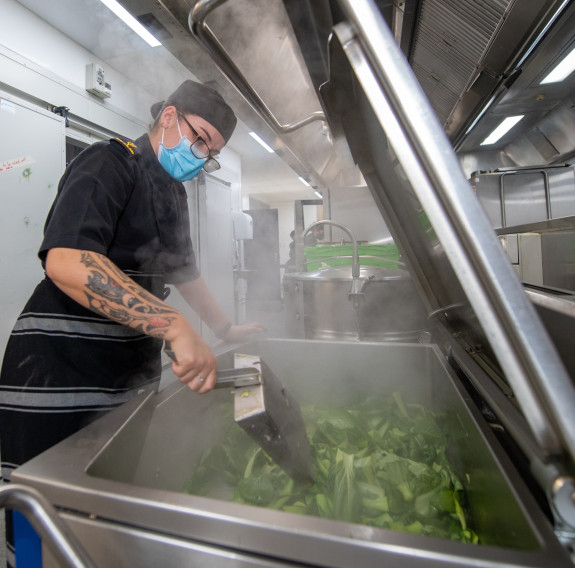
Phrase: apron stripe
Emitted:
{"points": [[74, 327], [50, 401], [35, 397]]}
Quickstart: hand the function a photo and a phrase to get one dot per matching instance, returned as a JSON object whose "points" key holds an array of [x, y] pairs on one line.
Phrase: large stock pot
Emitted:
{"points": [[318, 305]]}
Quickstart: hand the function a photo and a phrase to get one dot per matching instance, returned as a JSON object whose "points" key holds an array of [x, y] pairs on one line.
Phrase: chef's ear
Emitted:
{"points": [[169, 117]]}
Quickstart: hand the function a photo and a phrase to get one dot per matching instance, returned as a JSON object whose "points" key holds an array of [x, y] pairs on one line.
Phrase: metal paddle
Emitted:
{"points": [[270, 415]]}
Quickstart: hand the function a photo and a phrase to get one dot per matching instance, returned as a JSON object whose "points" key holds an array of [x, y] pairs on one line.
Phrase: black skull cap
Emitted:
{"points": [[195, 98]]}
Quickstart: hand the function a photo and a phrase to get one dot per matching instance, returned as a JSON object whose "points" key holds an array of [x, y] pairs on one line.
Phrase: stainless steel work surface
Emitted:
{"points": [[126, 472]]}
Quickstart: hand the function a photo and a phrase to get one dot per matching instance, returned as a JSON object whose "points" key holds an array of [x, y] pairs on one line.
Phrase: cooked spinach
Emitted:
{"points": [[379, 462]]}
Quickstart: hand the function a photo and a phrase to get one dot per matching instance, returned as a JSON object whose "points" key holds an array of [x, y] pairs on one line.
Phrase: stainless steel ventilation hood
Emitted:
{"points": [[475, 61], [257, 38]]}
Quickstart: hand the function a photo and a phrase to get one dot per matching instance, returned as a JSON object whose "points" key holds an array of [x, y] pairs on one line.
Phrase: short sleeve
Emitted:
{"points": [[91, 197]]}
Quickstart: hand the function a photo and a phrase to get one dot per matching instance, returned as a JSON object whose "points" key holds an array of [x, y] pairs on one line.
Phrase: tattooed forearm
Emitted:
{"points": [[112, 294], [156, 324], [103, 265], [107, 287]]}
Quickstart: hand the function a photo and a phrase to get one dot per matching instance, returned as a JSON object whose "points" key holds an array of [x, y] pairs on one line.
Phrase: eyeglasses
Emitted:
{"points": [[201, 150]]}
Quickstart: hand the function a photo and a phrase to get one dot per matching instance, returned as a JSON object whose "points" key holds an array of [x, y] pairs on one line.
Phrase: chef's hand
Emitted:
{"points": [[193, 361], [242, 333]]}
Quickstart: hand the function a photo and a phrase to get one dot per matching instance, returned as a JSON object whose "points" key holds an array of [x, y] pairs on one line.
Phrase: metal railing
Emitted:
{"points": [[66, 549]]}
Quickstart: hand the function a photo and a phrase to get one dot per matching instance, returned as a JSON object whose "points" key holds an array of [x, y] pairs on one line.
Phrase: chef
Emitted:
{"points": [[90, 336]]}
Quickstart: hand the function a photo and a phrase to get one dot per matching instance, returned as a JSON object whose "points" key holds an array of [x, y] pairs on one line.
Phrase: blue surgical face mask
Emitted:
{"points": [[179, 161]]}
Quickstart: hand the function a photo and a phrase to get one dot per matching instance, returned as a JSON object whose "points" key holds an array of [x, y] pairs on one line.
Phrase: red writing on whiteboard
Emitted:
{"points": [[7, 165]]}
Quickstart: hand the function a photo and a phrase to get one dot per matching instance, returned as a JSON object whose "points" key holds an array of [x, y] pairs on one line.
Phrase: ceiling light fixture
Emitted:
{"points": [[562, 70], [261, 142], [505, 126], [318, 194], [525, 55], [128, 19], [304, 181], [478, 117], [538, 39]]}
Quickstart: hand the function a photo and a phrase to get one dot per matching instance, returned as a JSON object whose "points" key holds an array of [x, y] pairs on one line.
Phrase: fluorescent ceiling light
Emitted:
{"points": [[261, 142], [562, 70], [303, 181], [542, 34], [527, 53], [128, 19], [483, 111], [318, 194], [502, 129]]}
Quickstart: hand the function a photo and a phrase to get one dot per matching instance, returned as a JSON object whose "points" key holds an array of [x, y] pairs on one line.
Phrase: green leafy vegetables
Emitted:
{"points": [[378, 462]]}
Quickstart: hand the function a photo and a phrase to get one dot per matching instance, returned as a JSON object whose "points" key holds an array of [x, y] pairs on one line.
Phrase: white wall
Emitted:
{"points": [[356, 209], [231, 172], [42, 63]]}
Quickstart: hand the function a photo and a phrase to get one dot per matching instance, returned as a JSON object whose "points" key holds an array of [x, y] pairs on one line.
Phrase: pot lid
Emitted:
{"points": [[343, 273]]}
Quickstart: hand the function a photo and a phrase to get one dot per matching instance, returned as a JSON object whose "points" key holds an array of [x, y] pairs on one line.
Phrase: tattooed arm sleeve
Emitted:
{"points": [[95, 282]]}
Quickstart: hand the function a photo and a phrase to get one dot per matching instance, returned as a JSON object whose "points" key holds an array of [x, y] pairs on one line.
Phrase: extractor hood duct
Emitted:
{"points": [[257, 39]]}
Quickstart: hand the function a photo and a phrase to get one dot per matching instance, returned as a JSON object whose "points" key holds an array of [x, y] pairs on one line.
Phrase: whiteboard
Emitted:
{"points": [[32, 160]]}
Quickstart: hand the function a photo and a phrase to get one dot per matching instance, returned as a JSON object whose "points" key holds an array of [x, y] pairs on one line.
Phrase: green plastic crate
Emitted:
{"points": [[322, 256]]}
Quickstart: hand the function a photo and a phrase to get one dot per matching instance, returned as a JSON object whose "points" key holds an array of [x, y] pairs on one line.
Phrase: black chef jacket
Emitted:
{"points": [[64, 364]]}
